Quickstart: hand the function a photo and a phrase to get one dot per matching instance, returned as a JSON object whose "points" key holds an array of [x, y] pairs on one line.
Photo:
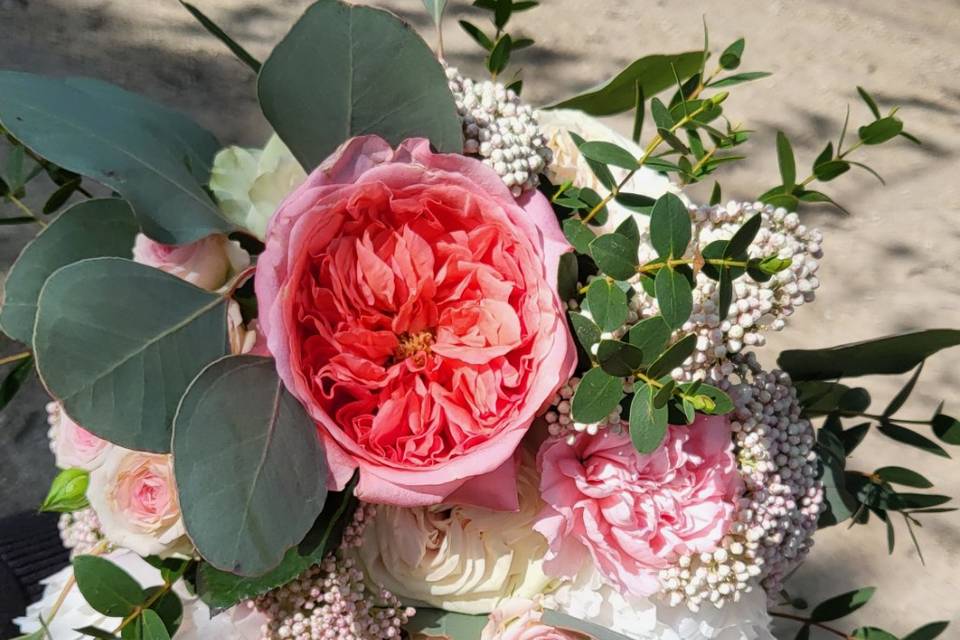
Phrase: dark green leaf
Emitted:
{"points": [[523, 5], [912, 438], [715, 195], [152, 626], [842, 605], [737, 78], [724, 292], [831, 169], [636, 202], [912, 138], [825, 156], [615, 255], [609, 153], [721, 401], [568, 271], [903, 394], [157, 158], [67, 492], [839, 503], [673, 357], [377, 76], [901, 501], [674, 296], [639, 112], [222, 590], [788, 165], [619, 358], [501, 13], [117, 360], [654, 74], [677, 145], [608, 304], [785, 200], [872, 633], [106, 587], [479, 36], [578, 234], [880, 131], [868, 99], [730, 58], [14, 380], [90, 229], [168, 607], [928, 631], [500, 55], [906, 477], [947, 428], [670, 226], [9, 222], [522, 43], [853, 436], [59, 197], [661, 115], [803, 633], [596, 397], [437, 623], [238, 415], [741, 240], [587, 331], [651, 337], [599, 169], [664, 394], [213, 29], [629, 230], [891, 354], [93, 632], [869, 170]]}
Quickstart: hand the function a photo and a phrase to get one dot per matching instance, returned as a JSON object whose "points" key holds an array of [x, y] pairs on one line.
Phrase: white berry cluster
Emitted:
{"points": [[560, 422], [777, 514], [80, 531], [756, 306], [330, 601], [501, 130]]}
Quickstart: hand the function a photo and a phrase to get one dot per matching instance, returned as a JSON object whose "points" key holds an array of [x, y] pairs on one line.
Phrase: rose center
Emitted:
{"points": [[413, 344]]}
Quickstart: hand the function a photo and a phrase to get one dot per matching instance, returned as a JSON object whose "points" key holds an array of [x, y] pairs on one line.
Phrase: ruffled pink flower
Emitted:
{"points": [[635, 513], [410, 303], [520, 619]]}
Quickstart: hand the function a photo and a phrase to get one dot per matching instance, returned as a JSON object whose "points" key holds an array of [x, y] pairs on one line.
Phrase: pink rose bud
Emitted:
{"points": [[207, 263]]}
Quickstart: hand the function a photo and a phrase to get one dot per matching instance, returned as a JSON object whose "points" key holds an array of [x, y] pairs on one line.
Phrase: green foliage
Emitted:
{"points": [[235, 48], [67, 492], [674, 295], [615, 255], [648, 422], [14, 380], [156, 158], [238, 415], [90, 229], [928, 631], [596, 397], [608, 304], [841, 605], [670, 227], [377, 76], [106, 587]]}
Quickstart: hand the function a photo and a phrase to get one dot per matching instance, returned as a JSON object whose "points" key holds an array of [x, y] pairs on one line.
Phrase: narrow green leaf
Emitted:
{"points": [[842, 605], [912, 438], [242, 54], [639, 112], [788, 165], [599, 168], [743, 238], [880, 131], [93, 632], [596, 397], [871, 103], [730, 58], [608, 304], [499, 57], [477, 34], [738, 78], [615, 255], [568, 272], [901, 501], [14, 380], [872, 633], [853, 436], [635, 202], [906, 477], [928, 631], [59, 197], [661, 115], [947, 428], [674, 296], [609, 153], [715, 195], [619, 358], [502, 12], [673, 357], [106, 587], [825, 156], [903, 394], [827, 171]]}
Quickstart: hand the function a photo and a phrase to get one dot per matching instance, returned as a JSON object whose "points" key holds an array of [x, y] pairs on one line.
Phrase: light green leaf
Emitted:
{"points": [[653, 73], [597, 395], [67, 492], [158, 159], [118, 342], [90, 229], [237, 415], [358, 71], [106, 587]]}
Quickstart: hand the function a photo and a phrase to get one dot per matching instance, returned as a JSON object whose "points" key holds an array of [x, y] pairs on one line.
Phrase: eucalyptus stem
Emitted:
{"points": [[27, 210], [808, 621], [874, 416], [15, 357]]}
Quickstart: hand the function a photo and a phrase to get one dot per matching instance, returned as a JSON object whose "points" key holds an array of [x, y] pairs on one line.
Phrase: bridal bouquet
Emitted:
{"points": [[437, 363]]}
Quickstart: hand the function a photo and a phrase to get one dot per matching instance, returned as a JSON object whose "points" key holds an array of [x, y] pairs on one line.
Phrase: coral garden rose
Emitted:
{"points": [[521, 619], [207, 263], [410, 303], [250, 184], [635, 513], [73, 446], [459, 558], [134, 496]]}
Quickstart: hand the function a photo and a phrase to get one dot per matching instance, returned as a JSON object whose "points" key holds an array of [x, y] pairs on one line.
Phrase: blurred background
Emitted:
{"points": [[888, 267]]}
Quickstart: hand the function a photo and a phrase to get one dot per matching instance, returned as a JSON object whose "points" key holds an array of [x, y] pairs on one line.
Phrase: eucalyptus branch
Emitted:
{"points": [[27, 210], [15, 357], [168, 583], [812, 623]]}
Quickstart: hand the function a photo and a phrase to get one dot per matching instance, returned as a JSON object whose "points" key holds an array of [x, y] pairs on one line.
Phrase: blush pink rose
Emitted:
{"points": [[520, 619], [635, 513], [207, 263], [73, 446], [410, 303]]}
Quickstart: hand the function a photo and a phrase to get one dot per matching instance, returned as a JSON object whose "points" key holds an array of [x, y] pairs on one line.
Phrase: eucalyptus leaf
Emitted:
{"points": [[435, 8], [578, 234], [477, 34], [90, 229], [891, 354], [14, 380], [650, 336], [900, 475], [106, 587], [158, 159], [608, 304], [648, 423], [214, 29], [358, 71], [928, 631], [670, 226], [609, 153], [673, 357], [947, 428], [600, 169], [788, 165], [597, 395], [586, 330], [739, 78], [674, 296], [730, 58], [911, 438], [842, 605], [830, 169], [872, 633], [743, 238], [619, 358], [652, 73], [118, 342], [237, 415], [880, 131], [615, 255], [903, 394]]}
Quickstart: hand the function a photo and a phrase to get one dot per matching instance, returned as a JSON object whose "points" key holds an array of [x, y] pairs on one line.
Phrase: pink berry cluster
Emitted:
{"points": [[80, 531], [330, 601]]}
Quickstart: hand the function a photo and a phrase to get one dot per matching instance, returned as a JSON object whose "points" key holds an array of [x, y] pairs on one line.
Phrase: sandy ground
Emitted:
{"points": [[887, 268]]}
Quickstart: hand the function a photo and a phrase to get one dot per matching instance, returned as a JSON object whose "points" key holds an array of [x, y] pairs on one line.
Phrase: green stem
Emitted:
{"points": [[874, 416], [808, 621], [14, 358], [27, 210]]}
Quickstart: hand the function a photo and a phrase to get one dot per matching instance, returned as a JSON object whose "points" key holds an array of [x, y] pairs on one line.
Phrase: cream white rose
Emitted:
{"points": [[207, 263], [460, 558], [250, 184], [73, 446], [135, 498], [569, 164]]}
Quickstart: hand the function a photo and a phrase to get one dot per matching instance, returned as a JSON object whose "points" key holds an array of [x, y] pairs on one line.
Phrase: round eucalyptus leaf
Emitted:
{"points": [[118, 342], [90, 229], [346, 70], [238, 418]]}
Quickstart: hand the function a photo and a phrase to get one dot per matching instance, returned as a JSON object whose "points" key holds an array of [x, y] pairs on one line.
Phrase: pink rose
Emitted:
{"points": [[520, 619], [135, 498], [635, 513], [207, 263], [73, 446], [410, 303]]}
